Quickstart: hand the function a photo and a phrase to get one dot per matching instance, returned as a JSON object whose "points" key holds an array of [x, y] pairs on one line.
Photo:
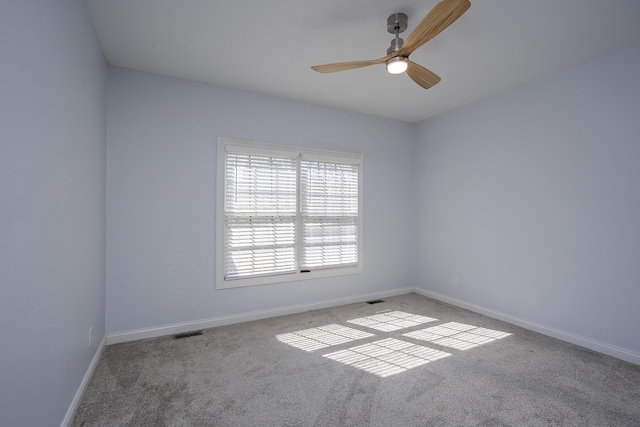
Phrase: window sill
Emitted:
{"points": [[221, 283]]}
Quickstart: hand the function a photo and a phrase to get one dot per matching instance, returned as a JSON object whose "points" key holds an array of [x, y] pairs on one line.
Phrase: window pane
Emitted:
{"points": [[329, 242], [328, 189], [260, 185], [329, 210], [260, 215]]}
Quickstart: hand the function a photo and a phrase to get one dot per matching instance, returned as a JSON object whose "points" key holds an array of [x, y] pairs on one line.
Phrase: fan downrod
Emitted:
{"points": [[396, 24]]}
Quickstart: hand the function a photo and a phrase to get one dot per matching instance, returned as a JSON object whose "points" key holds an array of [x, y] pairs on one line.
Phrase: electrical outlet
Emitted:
{"points": [[90, 336], [455, 281], [301, 286]]}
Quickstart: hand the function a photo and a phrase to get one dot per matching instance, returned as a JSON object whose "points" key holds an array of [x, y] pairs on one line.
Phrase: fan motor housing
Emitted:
{"points": [[396, 44]]}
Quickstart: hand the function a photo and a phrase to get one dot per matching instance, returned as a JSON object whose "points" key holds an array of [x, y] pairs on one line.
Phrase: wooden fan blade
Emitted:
{"points": [[350, 65], [441, 16], [422, 76]]}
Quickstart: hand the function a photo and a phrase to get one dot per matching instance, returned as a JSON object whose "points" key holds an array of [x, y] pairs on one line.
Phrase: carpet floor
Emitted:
{"points": [[407, 361]]}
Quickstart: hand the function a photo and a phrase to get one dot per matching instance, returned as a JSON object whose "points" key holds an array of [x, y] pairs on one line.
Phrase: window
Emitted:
{"points": [[286, 213]]}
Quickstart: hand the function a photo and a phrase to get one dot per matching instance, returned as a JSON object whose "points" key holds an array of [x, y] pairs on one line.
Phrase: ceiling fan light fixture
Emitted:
{"points": [[397, 61], [397, 65]]}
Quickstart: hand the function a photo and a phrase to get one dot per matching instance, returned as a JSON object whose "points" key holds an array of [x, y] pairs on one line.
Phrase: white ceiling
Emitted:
{"points": [[269, 46]]}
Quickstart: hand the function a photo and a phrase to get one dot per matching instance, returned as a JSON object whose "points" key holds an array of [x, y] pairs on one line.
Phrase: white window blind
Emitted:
{"points": [[260, 215], [286, 213], [329, 213]]}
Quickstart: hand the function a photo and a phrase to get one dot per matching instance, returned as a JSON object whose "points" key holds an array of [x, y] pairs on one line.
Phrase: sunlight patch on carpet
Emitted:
{"points": [[457, 335], [322, 337], [387, 357], [391, 321]]}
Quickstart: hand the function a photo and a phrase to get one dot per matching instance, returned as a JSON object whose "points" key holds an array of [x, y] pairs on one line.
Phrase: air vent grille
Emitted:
{"points": [[187, 334]]}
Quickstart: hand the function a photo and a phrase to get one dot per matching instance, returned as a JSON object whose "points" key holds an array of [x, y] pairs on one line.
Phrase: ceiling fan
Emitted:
{"points": [[397, 59]]}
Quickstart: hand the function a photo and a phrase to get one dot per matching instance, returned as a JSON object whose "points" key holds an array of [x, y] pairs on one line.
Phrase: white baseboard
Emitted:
{"points": [[71, 412], [600, 347], [155, 332], [140, 334]]}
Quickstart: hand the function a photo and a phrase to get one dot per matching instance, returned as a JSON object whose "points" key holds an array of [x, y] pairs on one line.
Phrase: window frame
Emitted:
{"points": [[256, 147]]}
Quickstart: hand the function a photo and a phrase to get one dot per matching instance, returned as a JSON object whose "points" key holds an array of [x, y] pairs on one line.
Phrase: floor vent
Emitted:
{"points": [[375, 301], [187, 334]]}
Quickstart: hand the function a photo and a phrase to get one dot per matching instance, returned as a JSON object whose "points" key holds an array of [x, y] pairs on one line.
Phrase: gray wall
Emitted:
{"points": [[52, 207], [161, 159], [532, 199]]}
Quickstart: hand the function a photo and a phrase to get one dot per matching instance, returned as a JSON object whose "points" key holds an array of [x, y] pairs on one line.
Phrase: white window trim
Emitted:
{"points": [[307, 153]]}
